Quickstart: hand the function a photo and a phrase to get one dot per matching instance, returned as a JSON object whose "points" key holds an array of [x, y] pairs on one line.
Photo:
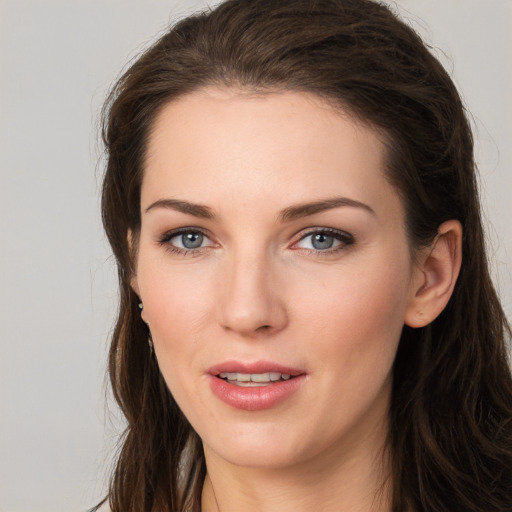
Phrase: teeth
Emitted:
{"points": [[259, 377], [255, 377]]}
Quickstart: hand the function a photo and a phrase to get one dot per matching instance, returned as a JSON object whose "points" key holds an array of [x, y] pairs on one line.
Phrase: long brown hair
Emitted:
{"points": [[451, 407]]}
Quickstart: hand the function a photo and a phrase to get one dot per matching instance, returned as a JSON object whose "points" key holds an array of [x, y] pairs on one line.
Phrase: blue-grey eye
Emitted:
{"points": [[192, 240], [325, 240], [186, 240], [322, 241]]}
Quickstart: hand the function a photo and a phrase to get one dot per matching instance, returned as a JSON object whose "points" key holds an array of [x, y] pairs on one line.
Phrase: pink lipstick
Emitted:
{"points": [[254, 386]]}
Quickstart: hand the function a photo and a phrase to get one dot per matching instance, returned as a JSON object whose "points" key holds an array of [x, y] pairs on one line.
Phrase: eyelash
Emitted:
{"points": [[345, 240], [167, 237]]}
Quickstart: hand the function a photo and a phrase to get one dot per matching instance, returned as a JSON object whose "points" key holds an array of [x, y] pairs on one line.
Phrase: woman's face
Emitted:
{"points": [[275, 274]]}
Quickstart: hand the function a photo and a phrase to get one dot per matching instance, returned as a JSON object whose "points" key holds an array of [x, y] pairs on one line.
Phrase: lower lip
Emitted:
{"points": [[255, 398]]}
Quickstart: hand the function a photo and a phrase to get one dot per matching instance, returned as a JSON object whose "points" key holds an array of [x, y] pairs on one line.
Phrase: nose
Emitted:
{"points": [[251, 300]]}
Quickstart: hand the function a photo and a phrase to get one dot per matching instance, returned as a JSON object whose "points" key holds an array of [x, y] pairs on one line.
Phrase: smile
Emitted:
{"points": [[254, 379], [254, 386]]}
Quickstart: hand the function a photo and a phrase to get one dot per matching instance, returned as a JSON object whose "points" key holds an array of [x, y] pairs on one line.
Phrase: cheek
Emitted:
{"points": [[176, 297], [357, 317], [178, 306]]}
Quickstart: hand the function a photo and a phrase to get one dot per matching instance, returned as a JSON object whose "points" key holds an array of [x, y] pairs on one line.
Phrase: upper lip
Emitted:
{"points": [[254, 367]]}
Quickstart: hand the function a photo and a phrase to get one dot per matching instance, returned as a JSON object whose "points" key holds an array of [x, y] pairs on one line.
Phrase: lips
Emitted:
{"points": [[254, 386], [250, 368]]}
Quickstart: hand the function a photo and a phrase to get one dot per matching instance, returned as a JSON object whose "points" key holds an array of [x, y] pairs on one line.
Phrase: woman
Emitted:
{"points": [[307, 319]]}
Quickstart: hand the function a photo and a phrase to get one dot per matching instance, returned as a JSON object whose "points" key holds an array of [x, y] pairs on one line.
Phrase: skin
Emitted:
{"points": [[259, 289]]}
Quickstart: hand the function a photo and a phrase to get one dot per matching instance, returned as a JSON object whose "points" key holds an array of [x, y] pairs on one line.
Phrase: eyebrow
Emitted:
{"points": [[286, 215], [303, 210], [197, 210]]}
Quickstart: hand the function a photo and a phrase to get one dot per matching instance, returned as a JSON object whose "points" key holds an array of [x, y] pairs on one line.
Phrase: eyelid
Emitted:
{"points": [[164, 240], [171, 233], [346, 239]]}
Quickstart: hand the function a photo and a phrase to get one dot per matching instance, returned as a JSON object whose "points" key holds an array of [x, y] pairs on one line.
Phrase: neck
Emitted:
{"points": [[337, 482]]}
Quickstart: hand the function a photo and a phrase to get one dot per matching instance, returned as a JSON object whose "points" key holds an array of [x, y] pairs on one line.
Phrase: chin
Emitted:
{"points": [[263, 446]]}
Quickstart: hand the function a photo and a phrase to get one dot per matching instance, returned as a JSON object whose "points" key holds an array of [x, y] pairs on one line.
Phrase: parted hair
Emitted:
{"points": [[451, 407]]}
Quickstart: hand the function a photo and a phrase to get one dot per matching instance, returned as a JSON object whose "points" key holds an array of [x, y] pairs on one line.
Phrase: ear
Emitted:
{"points": [[135, 284], [133, 279], [435, 275]]}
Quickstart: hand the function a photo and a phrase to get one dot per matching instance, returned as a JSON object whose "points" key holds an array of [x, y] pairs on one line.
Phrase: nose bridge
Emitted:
{"points": [[251, 302]]}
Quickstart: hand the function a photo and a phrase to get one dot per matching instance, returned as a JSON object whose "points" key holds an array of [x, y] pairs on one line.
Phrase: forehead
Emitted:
{"points": [[215, 145]]}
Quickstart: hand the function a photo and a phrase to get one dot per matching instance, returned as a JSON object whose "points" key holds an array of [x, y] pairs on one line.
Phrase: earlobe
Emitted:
{"points": [[435, 275]]}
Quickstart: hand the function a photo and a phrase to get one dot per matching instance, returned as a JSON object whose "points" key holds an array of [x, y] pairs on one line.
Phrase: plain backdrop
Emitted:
{"points": [[57, 279]]}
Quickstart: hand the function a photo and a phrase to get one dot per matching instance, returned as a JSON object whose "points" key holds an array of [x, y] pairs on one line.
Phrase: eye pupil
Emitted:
{"points": [[192, 240], [322, 241]]}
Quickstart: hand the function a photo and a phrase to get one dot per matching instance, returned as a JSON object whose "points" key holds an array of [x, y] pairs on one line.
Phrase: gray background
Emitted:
{"points": [[57, 280]]}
